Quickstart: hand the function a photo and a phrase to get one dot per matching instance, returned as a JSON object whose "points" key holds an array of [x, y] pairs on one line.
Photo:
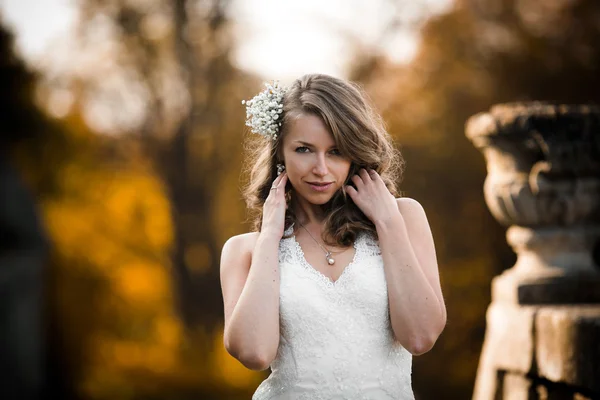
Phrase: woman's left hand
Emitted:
{"points": [[372, 196]]}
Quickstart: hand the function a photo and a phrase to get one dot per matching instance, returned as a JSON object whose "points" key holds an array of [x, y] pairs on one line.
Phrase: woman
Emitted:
{"points": [[338, 287]]}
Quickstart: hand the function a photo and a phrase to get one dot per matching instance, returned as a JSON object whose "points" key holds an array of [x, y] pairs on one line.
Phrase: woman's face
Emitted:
{"points": [[314, 165]]}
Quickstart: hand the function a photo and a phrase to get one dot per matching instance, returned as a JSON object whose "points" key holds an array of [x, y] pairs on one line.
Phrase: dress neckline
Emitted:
{"points": [[322, 277]]}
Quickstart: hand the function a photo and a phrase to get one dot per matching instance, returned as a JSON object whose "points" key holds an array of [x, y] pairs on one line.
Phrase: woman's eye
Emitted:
{"points": [[304, 149]]}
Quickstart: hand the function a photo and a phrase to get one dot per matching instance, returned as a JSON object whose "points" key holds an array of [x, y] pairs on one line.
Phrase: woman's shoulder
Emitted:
{"points": [[242, 243], [414, 214], [406, 204], [237, 252], [407, 200]]}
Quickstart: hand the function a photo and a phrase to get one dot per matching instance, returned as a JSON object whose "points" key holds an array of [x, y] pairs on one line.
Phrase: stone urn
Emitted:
{"points": [[543, 184]]}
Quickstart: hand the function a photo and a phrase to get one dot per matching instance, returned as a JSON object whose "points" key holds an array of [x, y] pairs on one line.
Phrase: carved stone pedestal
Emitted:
{"points": [[543, 326], [540, 352]]}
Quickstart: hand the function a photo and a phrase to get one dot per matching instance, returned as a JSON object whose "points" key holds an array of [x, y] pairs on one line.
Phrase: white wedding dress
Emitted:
{"points": [[336, 339]]}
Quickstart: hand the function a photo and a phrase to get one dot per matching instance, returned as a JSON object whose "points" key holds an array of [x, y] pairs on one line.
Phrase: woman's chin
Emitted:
{"points": [[317, 199]]}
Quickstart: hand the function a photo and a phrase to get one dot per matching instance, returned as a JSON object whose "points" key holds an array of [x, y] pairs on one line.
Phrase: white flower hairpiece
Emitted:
{"points": [[263, 112]]}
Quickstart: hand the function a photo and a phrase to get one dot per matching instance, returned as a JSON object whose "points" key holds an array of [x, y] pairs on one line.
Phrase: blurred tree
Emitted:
{"points": [[157, 74], [480, 53], [174, 57], [164, 191], [23, 241]]}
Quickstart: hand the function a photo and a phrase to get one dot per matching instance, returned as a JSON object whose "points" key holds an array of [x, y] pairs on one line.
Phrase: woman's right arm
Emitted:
{"points": [[250, 287]]}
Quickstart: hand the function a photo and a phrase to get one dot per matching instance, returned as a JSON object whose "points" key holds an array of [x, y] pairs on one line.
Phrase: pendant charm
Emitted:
{"points": [[330, 259]]}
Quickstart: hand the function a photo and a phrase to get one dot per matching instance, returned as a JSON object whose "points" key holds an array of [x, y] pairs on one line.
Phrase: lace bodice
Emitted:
{"points": [[336, 339]]}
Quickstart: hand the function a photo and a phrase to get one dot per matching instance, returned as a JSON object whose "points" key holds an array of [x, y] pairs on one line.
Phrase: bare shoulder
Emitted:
{"points": [[410, 207], [238, 246], [236, 258], [415, 218], [244, 240]]}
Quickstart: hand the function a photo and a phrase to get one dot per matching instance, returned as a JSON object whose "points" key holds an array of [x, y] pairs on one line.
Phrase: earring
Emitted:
{"points": [[280, 169]]}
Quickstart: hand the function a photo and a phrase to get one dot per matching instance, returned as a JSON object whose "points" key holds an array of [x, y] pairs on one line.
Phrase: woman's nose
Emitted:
{"points": [[320, 167]]}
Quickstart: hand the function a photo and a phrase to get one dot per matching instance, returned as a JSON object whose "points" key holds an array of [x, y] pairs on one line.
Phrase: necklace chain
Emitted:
{"points": [[328, 253]]}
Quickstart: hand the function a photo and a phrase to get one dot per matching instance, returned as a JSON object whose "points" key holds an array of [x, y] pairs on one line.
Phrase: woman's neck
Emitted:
{"points": [[308, 213]]}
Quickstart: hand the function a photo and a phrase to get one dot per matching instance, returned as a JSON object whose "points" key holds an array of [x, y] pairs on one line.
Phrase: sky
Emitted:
{"points": [[276, 39]]}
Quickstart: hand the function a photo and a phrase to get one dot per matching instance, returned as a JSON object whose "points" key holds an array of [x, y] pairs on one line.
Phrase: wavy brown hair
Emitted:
{"points": [[359, 134]]}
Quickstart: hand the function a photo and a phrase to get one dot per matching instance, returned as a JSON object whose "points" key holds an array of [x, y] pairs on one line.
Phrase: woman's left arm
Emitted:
{"points": [[417, 310]]}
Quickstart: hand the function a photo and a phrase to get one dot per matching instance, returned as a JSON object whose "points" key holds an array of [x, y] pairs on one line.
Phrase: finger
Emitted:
{"points": [[278, 186], [274, 188], [375, 176], [357, 181], [272, 193], [282, 183], [364, 175], [277, 179], [351, 191], [277, 183]]}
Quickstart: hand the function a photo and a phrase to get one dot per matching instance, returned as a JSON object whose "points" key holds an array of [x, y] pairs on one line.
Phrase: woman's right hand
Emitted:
{"points": [[273, 218]]}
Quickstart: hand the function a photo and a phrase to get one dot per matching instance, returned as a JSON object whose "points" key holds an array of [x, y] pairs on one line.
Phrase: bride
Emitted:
{"points": [[338, 286]]}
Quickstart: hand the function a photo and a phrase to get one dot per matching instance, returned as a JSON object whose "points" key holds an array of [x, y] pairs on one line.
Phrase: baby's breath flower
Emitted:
{"points": [[263, 110]]}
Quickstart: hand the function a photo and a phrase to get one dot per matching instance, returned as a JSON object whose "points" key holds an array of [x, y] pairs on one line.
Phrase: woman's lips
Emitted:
{"points": [[320, 187]]}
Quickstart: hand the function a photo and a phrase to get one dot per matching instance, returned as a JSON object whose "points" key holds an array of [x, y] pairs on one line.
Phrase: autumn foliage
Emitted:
{"points": [[137, 217]]}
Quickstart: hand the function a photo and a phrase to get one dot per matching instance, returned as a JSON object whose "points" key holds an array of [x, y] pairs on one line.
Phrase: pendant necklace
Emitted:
{"points": [[328, 254]]}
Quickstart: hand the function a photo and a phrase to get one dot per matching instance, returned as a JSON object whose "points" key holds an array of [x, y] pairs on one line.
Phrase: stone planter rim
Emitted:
{"points": [[507, 119]]}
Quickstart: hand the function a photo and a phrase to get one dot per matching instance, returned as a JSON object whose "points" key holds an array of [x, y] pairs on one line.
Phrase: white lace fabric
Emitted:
{"points": [[336, 339]]}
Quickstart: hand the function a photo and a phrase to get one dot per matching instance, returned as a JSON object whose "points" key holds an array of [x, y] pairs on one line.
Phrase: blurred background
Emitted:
{"points": [[121, 134]]}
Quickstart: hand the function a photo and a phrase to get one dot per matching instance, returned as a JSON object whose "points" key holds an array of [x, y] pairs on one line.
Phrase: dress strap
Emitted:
{"points": [[286, 247], [369, 245], [289, 230]]}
